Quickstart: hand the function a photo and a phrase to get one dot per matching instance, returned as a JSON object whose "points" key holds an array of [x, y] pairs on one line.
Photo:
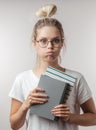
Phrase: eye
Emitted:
{"points": [[56, 40], [43, 41]]}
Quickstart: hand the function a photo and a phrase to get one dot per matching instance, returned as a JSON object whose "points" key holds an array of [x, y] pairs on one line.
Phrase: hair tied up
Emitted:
{"points": [[46, 11]]}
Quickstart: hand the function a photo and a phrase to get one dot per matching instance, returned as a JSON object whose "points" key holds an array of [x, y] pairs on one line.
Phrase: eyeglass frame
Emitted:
{"points": [[51, 41]]}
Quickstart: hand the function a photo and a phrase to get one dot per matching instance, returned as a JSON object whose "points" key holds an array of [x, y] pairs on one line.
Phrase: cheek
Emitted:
{"points": [[58, 51], [40, 51]]}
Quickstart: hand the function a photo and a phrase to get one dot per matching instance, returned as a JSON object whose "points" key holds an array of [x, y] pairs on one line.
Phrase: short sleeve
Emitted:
{"points": [[84, 92], [16, 91]]}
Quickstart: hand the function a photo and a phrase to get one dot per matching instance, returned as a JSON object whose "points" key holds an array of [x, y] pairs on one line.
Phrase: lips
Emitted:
{"points": [[50, 53]]}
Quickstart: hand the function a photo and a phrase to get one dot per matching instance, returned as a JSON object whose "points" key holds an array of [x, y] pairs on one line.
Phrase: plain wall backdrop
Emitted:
{"points": [[17, 18]]}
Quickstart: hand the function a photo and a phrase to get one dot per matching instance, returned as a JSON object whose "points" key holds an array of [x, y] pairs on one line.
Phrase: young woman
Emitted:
{"points": [[48, 40]]}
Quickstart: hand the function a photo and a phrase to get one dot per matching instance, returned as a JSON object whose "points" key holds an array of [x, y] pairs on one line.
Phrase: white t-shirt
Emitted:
{"points": [[27, 81]]}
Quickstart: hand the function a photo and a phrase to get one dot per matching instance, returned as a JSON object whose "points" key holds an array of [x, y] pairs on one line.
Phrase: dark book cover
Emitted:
{"points": [[58, 92]]}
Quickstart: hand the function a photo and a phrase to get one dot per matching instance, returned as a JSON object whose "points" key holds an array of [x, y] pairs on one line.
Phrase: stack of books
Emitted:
{"points": [[60, 75], [57, 86]]}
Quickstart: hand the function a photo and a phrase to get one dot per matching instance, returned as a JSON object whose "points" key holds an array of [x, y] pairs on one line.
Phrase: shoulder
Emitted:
{"points": [[80, 79], [74, 73], [23, 75]]}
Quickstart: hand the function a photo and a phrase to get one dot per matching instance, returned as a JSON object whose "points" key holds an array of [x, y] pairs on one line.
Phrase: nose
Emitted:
{"points": [[50, 45]]}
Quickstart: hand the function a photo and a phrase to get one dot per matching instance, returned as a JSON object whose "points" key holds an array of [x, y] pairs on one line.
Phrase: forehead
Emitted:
{"points": [[48, 31]]}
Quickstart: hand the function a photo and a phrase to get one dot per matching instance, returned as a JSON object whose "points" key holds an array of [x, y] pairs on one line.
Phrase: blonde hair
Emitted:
{"points": [[47, 12], [47, 22]]}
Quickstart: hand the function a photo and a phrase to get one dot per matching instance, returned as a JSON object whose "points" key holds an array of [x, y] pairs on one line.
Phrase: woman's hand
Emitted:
{"points": [[36, 96], [62, 111]]}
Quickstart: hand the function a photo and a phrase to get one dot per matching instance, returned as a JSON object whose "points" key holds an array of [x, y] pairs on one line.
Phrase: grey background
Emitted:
{"points": [[16, 54]]}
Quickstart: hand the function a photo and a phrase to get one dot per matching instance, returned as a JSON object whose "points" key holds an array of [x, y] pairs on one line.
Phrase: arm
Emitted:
{"points": [[88, 118], [17, 114], [19, 109]]}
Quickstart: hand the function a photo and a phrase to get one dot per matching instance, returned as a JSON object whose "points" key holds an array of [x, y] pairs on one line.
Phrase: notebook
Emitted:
{"points": [[60, 75], [58, 92]]}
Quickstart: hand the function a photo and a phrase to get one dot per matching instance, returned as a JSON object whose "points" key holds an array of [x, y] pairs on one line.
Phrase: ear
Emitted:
{"points": [[62, 44], [34, 44]]}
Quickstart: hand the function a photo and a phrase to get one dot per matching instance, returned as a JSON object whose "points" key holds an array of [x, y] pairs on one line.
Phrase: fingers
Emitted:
{"points": [[62, 111], [37, 99], [38, 90], [62, 108], [37, 96]]}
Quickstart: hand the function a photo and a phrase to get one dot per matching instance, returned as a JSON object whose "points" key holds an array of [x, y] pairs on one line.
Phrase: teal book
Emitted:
{"points": [[60, 75], [58, 92]]}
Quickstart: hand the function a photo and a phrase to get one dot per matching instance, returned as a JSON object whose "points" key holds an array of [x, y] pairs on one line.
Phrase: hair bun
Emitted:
{"points": [[47, 10]]}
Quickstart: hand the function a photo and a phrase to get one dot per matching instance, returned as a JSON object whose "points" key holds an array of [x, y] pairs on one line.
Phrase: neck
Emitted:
{"points": [[42, 66]]}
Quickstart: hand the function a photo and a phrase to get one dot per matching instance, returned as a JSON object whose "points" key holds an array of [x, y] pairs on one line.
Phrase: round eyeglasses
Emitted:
{"points": [[56, 42]]}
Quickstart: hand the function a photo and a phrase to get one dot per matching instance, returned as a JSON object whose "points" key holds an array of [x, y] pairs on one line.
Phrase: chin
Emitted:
{"points": [[50, 59]]}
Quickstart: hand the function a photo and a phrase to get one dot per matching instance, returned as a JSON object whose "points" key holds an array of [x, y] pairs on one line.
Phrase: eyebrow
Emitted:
{"points": [[51, 38]]}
